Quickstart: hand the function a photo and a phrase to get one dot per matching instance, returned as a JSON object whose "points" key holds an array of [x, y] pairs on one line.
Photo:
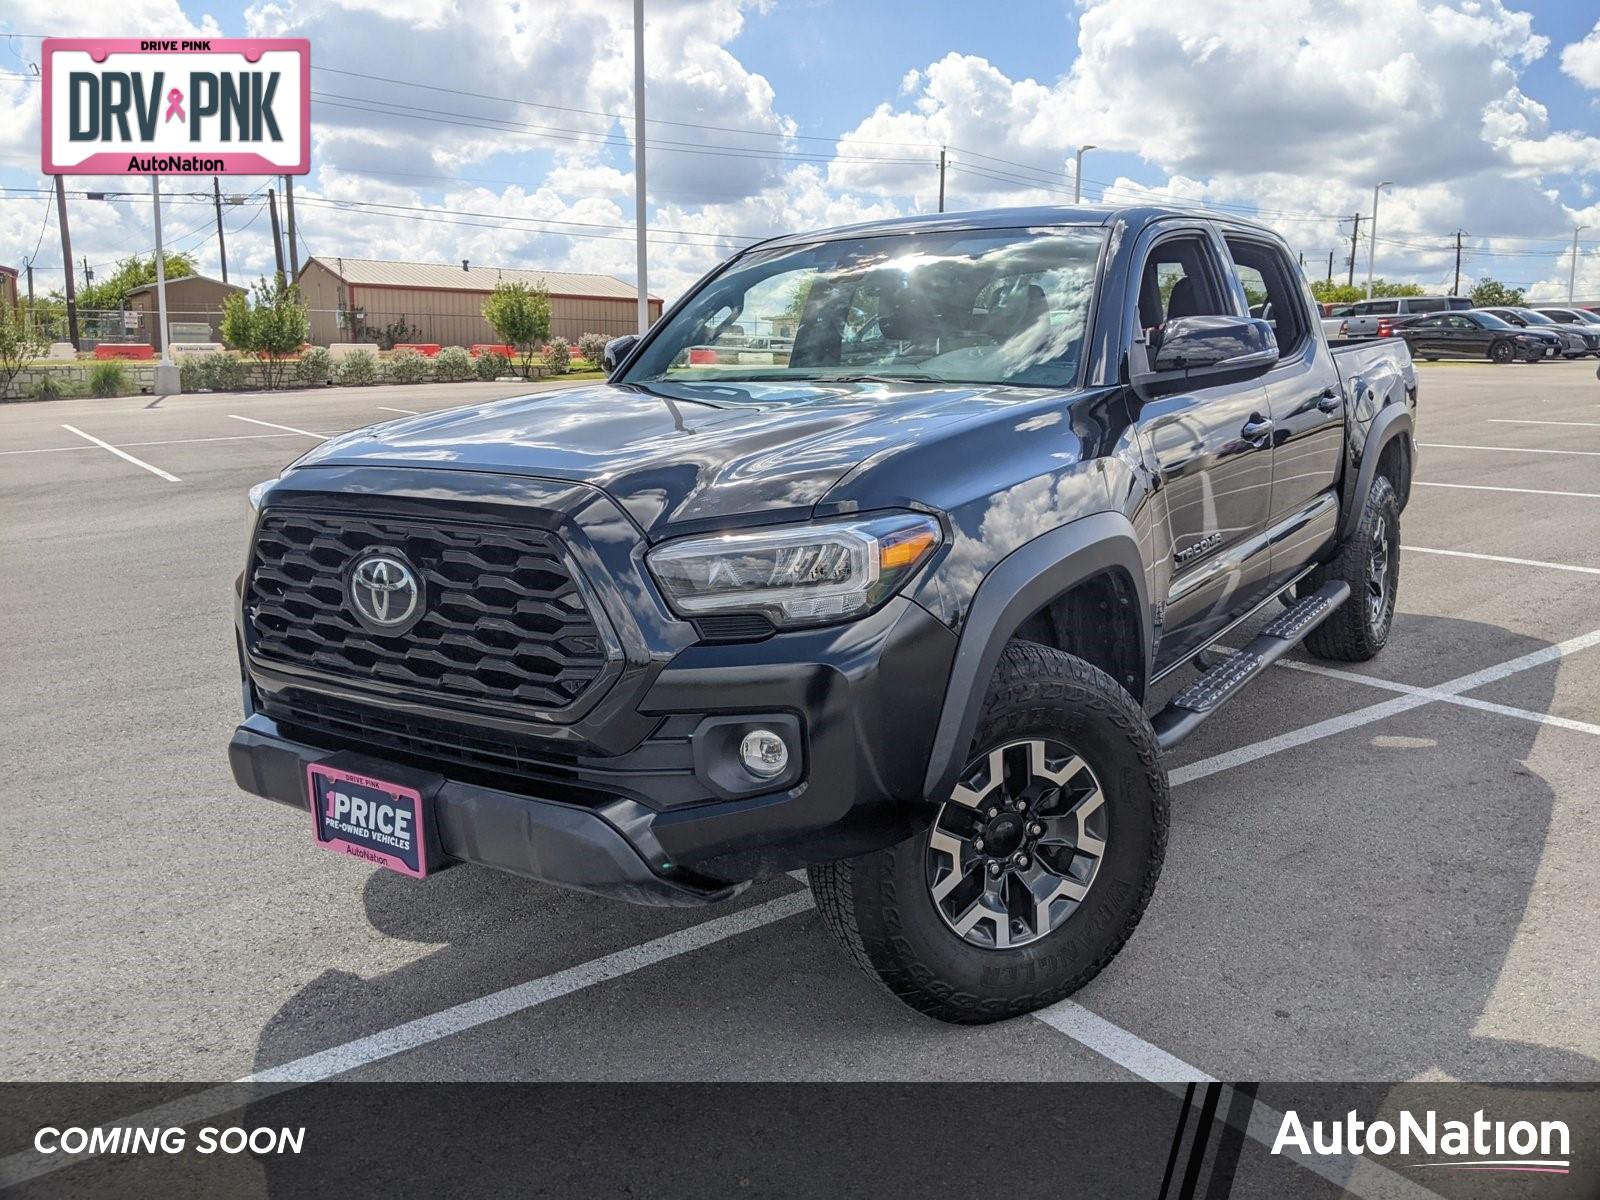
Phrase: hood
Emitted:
{"points": [[676, 454]]}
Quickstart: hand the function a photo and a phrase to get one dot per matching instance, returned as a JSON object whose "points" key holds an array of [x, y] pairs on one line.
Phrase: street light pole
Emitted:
{"points": [[1572, 271], [1372, 235], [1077, 175], [166, 383], [638, 162]]}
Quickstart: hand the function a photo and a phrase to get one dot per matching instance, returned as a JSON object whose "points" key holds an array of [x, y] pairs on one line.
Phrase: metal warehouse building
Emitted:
{"points": [[363, 299]]}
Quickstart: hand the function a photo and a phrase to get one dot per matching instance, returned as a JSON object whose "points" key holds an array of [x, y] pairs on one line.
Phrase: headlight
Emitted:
{"points": [[799, 574], [255, 495]]}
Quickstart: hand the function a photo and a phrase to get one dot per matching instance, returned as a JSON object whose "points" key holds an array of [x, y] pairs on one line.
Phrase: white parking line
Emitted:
{"points": [[1484, 487], [123, 454], [1500, 558], [1531, 421], [1505, 449], [286, 428], [1127, 1050], [232, 437], [410, 412], [325, 1064], [1229, 759]]}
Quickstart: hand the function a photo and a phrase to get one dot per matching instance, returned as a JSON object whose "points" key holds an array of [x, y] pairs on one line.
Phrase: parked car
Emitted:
{"points": [[1575, 342], [896, 620], [1580, 319], [1476, 334], [1379, 318]]}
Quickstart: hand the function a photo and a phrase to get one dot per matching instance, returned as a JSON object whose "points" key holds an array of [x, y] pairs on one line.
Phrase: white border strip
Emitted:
{"points": [[123, 454]]}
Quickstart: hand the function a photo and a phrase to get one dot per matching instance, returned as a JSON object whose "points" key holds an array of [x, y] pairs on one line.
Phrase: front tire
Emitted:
{"points": [[1370, 563], [1502, 352], [1038, 866]]}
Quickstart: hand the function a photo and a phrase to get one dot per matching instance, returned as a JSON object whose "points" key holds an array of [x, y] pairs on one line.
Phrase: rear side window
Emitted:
{"points": [[1273, 288], [1426, 306], [1460, 302], [1380, 308]]}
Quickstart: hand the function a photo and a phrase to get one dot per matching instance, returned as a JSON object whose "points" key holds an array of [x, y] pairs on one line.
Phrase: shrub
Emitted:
{"points": [[593, 348], [108, 379], [21, 341], [191, 375], [407, 366], [520, 316], [48, 388], [315, 366], [558, 356], [272, 325], [491, 366], [221, 373], [452, 364], [358, 369]]}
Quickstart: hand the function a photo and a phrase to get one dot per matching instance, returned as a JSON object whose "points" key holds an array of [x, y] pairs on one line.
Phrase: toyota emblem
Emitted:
{"points": [[385, 593]]}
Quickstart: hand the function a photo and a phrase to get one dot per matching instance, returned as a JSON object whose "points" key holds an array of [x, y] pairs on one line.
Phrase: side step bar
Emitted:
{"points": [[1202, 698]]}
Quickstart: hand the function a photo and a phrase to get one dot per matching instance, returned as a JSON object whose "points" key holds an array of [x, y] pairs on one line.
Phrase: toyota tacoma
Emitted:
{"points": [[873, 557]]}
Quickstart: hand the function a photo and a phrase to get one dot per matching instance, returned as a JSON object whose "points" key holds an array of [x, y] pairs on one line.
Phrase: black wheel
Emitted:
{"points": [[1370, 563], [1502, 352], [1038, 865]]}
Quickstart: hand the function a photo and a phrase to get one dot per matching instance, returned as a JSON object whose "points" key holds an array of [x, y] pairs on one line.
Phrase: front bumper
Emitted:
{"points": [[654, 822]]}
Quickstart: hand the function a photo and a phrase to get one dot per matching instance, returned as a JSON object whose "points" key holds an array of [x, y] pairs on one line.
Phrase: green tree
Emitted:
{"points": [[272, 325], [111, 292], [20, 343], [520, 315], [1350, 293], [1491, 291]]}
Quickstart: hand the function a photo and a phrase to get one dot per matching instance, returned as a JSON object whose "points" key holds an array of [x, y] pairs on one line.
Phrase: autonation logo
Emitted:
{"points": [[1476, 1145]]}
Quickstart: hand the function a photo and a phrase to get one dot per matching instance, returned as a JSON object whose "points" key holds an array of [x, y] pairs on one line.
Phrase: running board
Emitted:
{"points": [[1202, 698]]}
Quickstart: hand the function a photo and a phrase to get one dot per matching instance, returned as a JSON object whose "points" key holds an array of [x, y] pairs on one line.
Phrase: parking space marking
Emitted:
{"points": [[1501, 558], [410, 412], [1410, 689], [1237, 757], [232, 437], [1129, 1051], [1505, 449], [321, 437], [123, 454], [1484, 487], [1533, 421]]}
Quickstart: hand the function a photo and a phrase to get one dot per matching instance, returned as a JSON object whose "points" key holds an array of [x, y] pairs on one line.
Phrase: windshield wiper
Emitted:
{"points": [[904, 377]]}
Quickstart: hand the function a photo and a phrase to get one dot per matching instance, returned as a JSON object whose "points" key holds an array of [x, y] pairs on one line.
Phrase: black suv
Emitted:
{"points": [[869, 558]]}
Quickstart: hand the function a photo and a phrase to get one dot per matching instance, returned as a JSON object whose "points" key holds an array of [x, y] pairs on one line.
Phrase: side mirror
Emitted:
{"points": [[617, 349], [1195, 348]]}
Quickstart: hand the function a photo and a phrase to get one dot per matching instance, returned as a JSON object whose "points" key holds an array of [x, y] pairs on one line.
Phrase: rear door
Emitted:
{"points": [[1305, 401], [1212, 450]]}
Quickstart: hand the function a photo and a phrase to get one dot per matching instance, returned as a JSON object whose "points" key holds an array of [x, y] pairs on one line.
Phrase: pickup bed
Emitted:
{"points": [[873, 557]]}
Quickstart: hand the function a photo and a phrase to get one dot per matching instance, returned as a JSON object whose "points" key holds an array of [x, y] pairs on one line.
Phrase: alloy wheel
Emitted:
{"points": [[1018, 845], [1379, 580]]}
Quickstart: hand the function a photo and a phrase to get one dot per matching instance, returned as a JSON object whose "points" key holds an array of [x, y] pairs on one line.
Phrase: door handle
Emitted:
{"points": [[1329, 400], [1256, 428]]}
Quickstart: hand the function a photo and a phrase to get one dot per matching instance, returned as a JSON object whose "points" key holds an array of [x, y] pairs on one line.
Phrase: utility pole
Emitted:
{"points": [[1355, 236], [642, 251], [277, 237], [30, 286], [167, 383], [88, 275], [66, 259], [1077, 175], [941, 178], [1330, 266], [1372, 235], [1572, 271], [294, 248], [222, 245], [1455, 288]]}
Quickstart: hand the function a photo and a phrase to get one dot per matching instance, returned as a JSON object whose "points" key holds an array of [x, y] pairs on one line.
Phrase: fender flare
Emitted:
{"points": [[1020, 585], [1393, 421]]}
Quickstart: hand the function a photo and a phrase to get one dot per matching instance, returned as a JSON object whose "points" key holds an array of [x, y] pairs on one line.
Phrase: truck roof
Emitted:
{"points": [[1134, 216]]}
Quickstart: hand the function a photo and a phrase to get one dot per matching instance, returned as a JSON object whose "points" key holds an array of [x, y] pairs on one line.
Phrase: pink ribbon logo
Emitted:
{"points": [[175, 105]]}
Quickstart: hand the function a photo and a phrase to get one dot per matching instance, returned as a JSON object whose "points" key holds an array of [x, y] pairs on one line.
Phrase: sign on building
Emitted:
{"points": [[164, 106]]}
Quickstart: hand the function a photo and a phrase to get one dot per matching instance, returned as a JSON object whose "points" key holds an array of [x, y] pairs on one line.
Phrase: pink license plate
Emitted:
{"points": [[371, 819]]}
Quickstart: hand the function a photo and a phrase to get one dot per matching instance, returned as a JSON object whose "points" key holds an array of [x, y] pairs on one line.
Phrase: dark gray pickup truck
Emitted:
{"points": [[873, 557]]}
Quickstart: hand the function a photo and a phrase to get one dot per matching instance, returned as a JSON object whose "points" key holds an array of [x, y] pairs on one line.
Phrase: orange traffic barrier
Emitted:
{"points": [[488, 348], [124, 350], [426, 349]]}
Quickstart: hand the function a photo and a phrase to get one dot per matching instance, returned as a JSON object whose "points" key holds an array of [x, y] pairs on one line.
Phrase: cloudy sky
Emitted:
{"points": [[500, 130]]}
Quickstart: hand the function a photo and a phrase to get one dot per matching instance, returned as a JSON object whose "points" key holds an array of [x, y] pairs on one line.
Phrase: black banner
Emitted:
{"points": [[1177, 1142]]}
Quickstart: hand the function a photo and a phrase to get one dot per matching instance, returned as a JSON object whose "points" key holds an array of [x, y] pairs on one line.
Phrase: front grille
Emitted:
{"points": [[505, 621]]}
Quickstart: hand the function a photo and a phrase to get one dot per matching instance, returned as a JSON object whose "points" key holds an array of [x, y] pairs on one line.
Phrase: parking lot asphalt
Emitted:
{"points": [[1383, 871]]}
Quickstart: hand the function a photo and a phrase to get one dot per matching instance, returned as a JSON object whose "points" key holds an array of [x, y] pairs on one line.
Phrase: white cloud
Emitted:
{"points": [[1581, 60]]}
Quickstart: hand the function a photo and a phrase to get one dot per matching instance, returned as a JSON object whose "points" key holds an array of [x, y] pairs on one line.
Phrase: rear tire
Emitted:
{"points": [[1370, 563], [1502, 352], [1057, 877]]}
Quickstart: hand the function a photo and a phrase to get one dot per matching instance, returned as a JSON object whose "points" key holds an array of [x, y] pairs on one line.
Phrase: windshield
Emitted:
{"points": [[989, 306], [1490, 321], [1584, 315], [1533, 318]]}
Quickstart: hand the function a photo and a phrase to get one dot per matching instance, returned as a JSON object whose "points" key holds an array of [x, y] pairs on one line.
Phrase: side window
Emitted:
{"points": [[1422, 306], [1428, 323], [1383, 307], [1180, 280], [1460, 323], [1272, 283]]}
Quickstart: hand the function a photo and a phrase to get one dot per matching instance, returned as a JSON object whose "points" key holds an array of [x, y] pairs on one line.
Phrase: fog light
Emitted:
{"points": [[764, 754]]}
